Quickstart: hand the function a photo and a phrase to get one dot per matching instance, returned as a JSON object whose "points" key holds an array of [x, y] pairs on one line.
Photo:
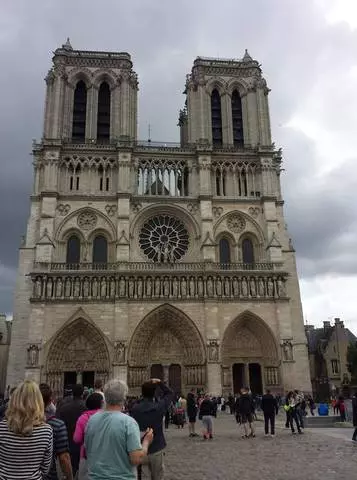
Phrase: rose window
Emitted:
{"points": [[164, 239]]}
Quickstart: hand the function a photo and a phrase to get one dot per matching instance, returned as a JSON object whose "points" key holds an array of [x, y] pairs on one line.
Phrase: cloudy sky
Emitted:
{"points": [[308, 52]]}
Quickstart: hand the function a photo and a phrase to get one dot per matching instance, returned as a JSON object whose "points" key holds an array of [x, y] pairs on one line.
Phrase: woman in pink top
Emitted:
{"points": [[94, 403]]}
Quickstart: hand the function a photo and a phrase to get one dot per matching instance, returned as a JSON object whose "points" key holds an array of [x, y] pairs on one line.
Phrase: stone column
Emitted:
{"points": [[121, 372]]}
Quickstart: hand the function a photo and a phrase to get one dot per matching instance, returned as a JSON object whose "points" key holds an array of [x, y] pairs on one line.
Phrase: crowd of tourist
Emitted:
{"points": [[101, 434]]}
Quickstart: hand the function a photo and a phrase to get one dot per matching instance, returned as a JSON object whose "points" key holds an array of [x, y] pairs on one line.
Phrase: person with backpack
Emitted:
{"points": [[60, 438]]}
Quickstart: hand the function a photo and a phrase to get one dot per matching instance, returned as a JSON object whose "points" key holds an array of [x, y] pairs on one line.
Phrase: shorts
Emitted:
{"points": [[246, 418]]}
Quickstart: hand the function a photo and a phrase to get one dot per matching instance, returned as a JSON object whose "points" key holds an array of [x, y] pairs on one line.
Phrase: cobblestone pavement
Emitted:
{"points": [[313, 455]]}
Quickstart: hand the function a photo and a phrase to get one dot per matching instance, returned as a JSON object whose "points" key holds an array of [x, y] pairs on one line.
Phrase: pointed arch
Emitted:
{"points": [[79, 111], [166, 318], [216, 118], [103, 118], [249, 336], [79, 346], [237, 118]]}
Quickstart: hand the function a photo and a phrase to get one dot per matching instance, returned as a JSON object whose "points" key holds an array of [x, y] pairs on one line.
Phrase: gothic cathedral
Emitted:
{"points": [[155, 259]]}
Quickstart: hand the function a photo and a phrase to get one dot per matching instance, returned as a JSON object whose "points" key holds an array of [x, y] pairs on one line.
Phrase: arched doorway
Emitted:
{"points": [[249, 356], [166, 342], [78, 354]]}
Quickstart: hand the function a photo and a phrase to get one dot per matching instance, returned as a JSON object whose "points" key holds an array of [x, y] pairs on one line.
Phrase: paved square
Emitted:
{"points": [[314, 455]]}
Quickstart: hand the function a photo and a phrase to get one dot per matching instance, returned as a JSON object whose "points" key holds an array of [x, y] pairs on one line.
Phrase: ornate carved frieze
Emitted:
{"points": [[196, 375], [192, 208], [191, 287], [236, 222], [87, 220], [135, 207], [271, 376], [254, 211]]}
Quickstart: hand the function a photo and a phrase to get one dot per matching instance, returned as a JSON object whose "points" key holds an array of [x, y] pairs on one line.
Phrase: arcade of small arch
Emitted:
{"points": [[167, 344]]}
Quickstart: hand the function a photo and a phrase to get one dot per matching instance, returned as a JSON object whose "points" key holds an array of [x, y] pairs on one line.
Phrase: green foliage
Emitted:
{"points": [[352, 361]]}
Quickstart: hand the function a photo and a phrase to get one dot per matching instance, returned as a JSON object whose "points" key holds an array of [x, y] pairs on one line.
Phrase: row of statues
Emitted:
{"points": [[47, 287]]}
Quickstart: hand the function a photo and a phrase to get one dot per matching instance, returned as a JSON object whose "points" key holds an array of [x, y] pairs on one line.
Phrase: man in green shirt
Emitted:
{"points": [[112, 439]]}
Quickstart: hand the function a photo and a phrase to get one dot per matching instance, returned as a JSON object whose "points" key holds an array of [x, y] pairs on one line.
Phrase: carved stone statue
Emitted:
{"points": [[270, 287], [253, 290], [183, 287], [227, 287], [192, 287], [219, 286], [119, 352], [38, 287], [235, 287], [122, 287], [209, 287], [139, 288], [281, 288], [148, 287], [166, 287], [157, 287], [213, 350], [175, 287], [59, 286], [33, 355], [287, 351], [76, 289], [261, 287], [200, 289], [244, 287], [85, 287], [131, 287]]}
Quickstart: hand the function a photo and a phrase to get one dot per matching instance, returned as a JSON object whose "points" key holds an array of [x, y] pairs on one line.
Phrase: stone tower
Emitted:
{"points": [[149, 259]]}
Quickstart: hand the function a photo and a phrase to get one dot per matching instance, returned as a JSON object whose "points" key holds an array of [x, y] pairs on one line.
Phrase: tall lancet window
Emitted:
{"points": [[73, 255], [216, 115], [237, 119], [103, 120], [79, 112]]}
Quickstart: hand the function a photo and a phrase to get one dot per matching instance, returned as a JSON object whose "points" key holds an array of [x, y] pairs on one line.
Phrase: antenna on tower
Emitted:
{"points": [[149, 133]]}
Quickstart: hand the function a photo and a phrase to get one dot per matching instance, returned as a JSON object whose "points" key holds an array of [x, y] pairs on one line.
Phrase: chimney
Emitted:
{"points": [[339, 322], [327, 325]]}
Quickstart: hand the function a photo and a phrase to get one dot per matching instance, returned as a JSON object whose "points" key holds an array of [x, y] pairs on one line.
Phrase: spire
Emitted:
{"points": [[67, 45], [247, 57]]}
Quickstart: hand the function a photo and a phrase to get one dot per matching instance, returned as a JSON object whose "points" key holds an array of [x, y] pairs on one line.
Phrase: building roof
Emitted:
{"points": [[319, 336]]}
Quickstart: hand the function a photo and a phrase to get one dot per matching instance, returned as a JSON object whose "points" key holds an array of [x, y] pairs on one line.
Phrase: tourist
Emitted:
{"points": [[69, 412], [342, 408], [98, 387], [290, 408], [300, 407], [207, 411], [335, 406], [60, 437], [192, 413], [93, 403], [25, 438], [149, 413], [246, 413], [112, 439], [269, 407], [354, 416], [312, 405]]}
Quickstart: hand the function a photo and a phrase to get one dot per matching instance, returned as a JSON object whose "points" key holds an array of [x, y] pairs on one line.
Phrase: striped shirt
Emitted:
{"points": [[25, 457], [60, 444]]}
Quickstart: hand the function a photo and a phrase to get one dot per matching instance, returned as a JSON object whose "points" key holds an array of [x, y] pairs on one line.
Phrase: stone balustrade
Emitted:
{"points": [[194, 286]]}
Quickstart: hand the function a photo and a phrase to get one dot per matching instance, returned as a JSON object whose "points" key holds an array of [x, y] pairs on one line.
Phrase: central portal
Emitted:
{"points": [[167, 345]]}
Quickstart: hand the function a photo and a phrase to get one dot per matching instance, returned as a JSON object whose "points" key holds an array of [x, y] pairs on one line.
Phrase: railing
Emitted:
{"points": [[156, 267]]}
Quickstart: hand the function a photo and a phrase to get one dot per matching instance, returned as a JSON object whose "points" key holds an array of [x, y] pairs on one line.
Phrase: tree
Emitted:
{"points": [[352, 361]]}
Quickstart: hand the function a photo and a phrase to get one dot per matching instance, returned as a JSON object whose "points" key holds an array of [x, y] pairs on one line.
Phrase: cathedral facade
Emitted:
{"points": [[156, 259]]}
